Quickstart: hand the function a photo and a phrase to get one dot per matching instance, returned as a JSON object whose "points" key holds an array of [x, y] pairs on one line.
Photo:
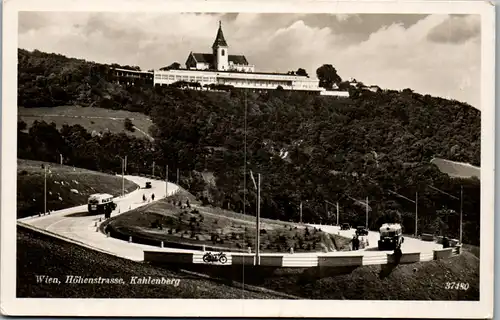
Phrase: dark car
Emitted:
{"points": [[361, 231], [345, 226], [148, 185]]}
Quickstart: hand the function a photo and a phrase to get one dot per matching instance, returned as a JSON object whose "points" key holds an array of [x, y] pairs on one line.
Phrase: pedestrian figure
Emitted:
{"points": [[143, 197], [446, 243], [357, 243], [153, 197], [187, 203], [397, 254]]}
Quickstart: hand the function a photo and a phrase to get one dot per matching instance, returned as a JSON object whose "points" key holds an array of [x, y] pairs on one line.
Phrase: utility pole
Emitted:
{"points": [[166, 181], [453, 197], [338, 213], [366, 212], [61, 158], [125, 164], [416, 207], [461, 210], [244, 160], [416, 214], [257, 247], [153, 168], [123, 178], [45, 189], [300, 212]]}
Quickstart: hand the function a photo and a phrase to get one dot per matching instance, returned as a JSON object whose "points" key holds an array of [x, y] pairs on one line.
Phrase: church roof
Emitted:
{"points": [[203, 57], [209, 58], [219, 39], [238, 59]]}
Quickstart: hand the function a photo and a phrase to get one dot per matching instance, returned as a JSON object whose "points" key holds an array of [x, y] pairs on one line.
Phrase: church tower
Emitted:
{"points": [[221, 60]]}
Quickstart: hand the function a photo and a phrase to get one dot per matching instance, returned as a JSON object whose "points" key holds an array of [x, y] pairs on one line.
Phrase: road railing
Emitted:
{"points": [[314, 259]]}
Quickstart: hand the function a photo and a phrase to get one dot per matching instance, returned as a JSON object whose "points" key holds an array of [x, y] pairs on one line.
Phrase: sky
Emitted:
{"points": [[438, 55]]}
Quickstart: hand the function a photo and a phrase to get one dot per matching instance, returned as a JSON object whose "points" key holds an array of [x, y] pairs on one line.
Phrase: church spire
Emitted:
{"points": [[219, 39]]}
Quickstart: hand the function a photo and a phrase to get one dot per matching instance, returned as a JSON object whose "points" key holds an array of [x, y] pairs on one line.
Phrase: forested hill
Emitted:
{"points": [[308, 148]]}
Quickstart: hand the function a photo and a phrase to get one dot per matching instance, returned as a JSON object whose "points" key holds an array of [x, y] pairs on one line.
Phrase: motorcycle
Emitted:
{"points": [[214, 257]]}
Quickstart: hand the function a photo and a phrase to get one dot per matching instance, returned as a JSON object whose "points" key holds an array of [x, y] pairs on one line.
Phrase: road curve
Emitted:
{"points": [[410, 245], [83, 228], [69, 224]]}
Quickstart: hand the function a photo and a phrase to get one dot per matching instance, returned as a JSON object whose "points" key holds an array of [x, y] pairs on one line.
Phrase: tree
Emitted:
{"points": [[173, 66], [21, 125], [344, 86], [301, 72], [327, 76]]}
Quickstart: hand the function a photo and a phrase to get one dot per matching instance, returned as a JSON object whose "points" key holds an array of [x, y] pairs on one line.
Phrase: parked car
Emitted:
{"points": [[148, 185], [361, 231], [345, 226]]}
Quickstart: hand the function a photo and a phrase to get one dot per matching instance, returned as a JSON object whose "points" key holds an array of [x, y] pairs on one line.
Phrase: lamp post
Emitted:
{"points": [[412, 201], [45, 189], [123, 177], [166, 181], [461, 210], [337, 207], [366, 212], [123, 164], [363, 203], [300, 212], [257, 238], [453, 197]]}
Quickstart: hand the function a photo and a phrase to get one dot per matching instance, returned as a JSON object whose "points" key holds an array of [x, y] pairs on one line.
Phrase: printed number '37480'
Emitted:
{"points": [[456, 286]]}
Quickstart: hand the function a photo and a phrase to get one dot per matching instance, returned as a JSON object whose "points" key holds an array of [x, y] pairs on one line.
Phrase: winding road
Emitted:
{"points": [[75, 225]]}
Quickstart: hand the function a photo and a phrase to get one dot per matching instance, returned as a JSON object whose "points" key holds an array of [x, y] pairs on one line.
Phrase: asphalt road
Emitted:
{"points": [[409, 245], [75, 224]]}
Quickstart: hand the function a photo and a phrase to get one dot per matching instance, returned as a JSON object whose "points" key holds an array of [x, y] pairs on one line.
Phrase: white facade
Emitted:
{"points": [[334, 93], [221, 54], [238, 79], [202, 66], [220, 68], [241, 67]]}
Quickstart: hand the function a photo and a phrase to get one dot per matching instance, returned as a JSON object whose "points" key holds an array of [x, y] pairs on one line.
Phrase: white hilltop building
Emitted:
{"points": [[222, 68]]}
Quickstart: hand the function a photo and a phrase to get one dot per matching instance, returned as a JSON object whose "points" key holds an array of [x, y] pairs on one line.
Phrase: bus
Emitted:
{"points": [[101, 203], [391, 236]]}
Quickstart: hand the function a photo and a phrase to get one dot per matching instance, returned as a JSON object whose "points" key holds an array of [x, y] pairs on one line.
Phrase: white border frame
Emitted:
{"points": [[11, 305]]}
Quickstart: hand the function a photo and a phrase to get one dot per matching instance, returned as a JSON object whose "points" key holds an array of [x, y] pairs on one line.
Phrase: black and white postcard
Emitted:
{"points": [[247, 158]]}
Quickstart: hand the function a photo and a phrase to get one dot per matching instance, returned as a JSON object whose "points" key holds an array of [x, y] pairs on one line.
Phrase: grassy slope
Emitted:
{"points": [[42, 255], [91, 118], [457, 169], [30, 186], [236, 230]]}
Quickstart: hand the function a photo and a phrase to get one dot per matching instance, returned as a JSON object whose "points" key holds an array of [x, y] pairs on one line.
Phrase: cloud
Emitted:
{"points": [[456, 29], [393, 51]]}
